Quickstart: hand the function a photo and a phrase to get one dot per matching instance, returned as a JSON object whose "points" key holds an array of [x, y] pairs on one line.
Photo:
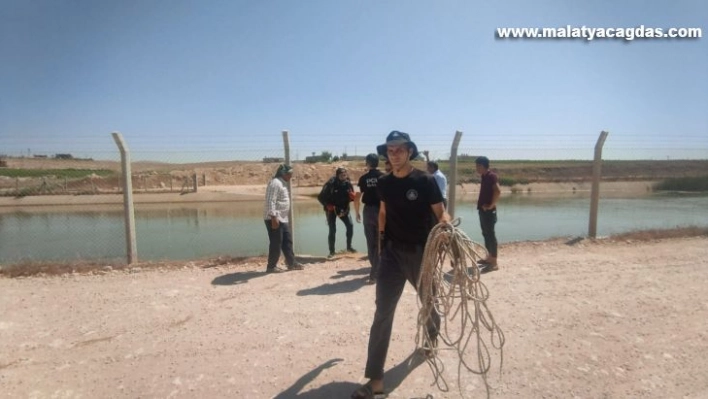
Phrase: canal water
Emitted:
{"points": [[195, 231]]}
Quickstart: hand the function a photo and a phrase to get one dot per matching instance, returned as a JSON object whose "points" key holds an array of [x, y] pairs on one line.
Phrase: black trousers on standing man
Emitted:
{"points": [[371, 231], [398, 264], [280, 240], [332, 223], [487, 220]]}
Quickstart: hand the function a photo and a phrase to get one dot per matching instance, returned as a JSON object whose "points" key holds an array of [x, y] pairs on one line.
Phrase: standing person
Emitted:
{"points": [[369, 196], [489, 193], [440, 178], [275, 213], [411, 205], [335, 197]]}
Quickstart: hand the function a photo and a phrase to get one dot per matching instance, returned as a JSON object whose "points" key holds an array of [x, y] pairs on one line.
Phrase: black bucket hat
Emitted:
{"points": [[395, 138]]}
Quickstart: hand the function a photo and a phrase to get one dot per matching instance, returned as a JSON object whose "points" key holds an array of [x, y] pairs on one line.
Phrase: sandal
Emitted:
{"points": [[488, 268], [365, 392]]}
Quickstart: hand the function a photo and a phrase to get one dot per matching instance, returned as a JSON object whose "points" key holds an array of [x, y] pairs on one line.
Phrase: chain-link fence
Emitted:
{"points": [[208, 203]]}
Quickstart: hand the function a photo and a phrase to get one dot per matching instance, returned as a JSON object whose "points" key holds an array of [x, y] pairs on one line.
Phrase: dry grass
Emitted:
{"points": [[150, 175], [54, 268], [659, 234]]}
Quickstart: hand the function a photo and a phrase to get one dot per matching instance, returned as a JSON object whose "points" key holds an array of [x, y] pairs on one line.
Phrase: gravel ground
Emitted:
{"points": [[587, 320]]}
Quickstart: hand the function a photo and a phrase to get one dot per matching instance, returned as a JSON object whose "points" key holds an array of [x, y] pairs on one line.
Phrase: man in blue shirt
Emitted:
{"points": [[439, 177]]}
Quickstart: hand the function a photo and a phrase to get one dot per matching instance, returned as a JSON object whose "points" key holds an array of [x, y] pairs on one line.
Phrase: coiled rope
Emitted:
{"points": [[450, 285]]}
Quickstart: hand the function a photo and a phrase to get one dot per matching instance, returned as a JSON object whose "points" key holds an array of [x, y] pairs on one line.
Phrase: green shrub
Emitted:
{"points": [[507, 181], [696, 184], [512, 181]]}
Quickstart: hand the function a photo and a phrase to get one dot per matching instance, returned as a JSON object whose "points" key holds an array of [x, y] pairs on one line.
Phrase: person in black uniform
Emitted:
{"points": [[335, 196], [411, 205], [369, 196]]}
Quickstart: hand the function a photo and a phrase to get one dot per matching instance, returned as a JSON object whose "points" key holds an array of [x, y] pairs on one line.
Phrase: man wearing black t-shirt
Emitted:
{"points": [[369, 196], [335, 196], [411, 205]]}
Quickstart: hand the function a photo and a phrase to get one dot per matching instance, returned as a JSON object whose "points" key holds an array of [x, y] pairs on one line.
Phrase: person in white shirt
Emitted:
{"points": [[275, 215], [440, 178]]}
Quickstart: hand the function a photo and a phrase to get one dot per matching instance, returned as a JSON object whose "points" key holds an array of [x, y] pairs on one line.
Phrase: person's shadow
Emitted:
{"points": [[237, 278], [393, 378], [244, 277], [340, 287]]}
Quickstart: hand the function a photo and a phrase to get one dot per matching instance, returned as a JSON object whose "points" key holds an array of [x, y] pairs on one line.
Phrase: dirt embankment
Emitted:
{"points": [[158, 177], [222, 181], [246, 172]]}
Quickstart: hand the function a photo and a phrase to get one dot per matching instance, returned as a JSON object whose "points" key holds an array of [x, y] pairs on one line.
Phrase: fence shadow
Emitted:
{"points": [[393, 377]]}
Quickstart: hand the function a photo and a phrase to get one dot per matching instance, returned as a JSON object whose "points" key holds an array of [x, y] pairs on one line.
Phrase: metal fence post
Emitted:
{"points": [[452, 182], [291, 219], [595, 193], [128, 209]]}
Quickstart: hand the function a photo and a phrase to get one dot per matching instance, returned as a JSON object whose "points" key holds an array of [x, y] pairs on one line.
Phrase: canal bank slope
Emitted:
{"points": [[256, 192], [581, 319]]}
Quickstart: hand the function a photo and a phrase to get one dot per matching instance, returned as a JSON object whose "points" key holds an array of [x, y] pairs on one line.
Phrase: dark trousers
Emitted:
{"points": [[371, 231], [398, 265], [280, 240], [487, 219], [332, 222]]}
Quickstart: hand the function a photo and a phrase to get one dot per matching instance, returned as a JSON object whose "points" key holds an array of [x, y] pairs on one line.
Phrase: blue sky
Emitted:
{"points": [[220, 80]]}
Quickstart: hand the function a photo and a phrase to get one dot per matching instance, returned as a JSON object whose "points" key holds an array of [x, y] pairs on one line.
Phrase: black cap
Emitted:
{"points": [[372, 160], [283, 169]]}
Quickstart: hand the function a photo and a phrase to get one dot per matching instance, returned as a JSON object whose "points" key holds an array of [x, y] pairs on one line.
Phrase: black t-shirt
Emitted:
{"points": [[367, 186], [336, 192], [409, 217]]}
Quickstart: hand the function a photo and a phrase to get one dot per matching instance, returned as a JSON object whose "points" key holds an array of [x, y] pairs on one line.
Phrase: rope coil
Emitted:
{"points": [[449, 285]]}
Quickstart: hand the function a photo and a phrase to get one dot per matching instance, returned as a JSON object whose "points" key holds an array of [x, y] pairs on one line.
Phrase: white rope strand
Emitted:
{"points": [[449, 285]]}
